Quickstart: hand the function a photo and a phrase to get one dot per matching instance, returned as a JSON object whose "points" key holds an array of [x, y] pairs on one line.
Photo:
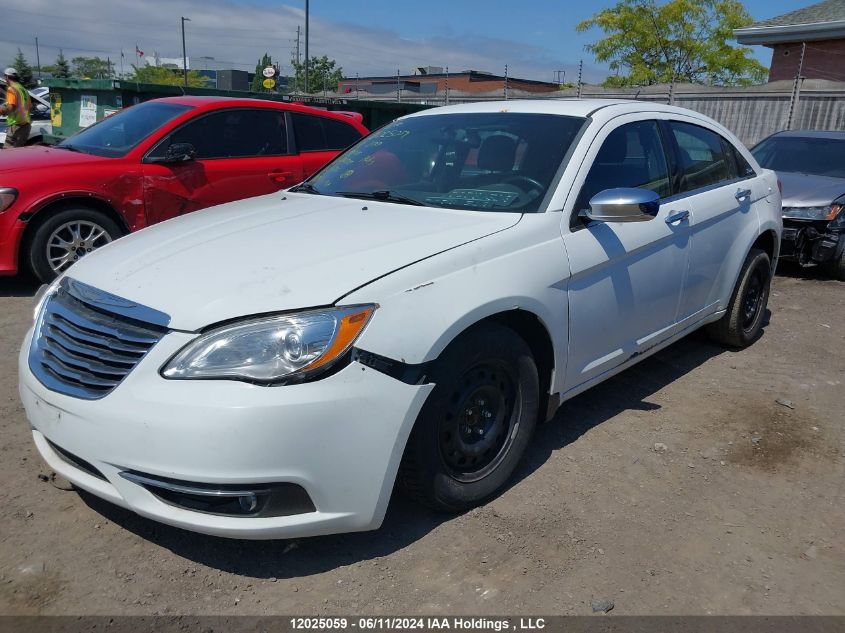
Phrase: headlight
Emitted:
{"points": [[271, 349], [7, 196], [812, 213]]}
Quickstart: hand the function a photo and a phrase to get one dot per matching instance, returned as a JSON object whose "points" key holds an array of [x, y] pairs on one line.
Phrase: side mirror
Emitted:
{"points": [[623, 205], [176, 153]]}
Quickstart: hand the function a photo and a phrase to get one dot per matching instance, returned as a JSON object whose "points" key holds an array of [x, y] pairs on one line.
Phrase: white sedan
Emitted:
{"points": [[270, 368]]}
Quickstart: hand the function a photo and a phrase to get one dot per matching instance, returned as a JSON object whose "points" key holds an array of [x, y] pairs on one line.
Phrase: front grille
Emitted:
{"points": [[82, 348]]}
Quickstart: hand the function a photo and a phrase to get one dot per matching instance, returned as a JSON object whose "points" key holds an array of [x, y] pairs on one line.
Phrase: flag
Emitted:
{"points": [[138, 51]]}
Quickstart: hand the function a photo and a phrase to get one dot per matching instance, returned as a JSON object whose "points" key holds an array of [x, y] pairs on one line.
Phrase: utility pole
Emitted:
{"points": [[38, 57], [307, 58], [398, 87], [357, 96], [298, 58], [184, 53], [580, 71], [506, 82], [796, 89], [447, 85]]}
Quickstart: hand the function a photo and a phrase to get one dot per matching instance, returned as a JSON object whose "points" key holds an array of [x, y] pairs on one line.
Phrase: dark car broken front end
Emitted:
{"points": [[814, 235]]}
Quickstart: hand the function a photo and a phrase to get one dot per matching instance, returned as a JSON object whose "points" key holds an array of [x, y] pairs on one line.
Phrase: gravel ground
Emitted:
{"points": [[700, 481]]}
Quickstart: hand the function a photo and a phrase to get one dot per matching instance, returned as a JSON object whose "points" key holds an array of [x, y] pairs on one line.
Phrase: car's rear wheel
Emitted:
{"points": [[477, 422], [64, 237], [743, 320]]}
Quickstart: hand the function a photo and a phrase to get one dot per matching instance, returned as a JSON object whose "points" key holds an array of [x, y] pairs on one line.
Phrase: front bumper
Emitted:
{"points": [[340, 438], [810, 242]]}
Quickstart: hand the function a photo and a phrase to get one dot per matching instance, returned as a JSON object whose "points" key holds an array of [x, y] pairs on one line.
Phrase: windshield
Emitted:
{"points": [[815, 156], [114, 136], [496, 161]]}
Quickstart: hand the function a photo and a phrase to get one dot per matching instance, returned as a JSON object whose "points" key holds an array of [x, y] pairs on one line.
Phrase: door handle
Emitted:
{"points": [[280, 176], [676, 217], [742, 193]]}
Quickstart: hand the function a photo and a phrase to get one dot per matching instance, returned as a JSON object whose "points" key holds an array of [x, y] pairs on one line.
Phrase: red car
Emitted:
{"points": [[152, 162]]}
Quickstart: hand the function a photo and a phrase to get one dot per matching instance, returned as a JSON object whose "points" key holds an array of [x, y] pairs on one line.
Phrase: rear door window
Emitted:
{"points": [[319, 134]]}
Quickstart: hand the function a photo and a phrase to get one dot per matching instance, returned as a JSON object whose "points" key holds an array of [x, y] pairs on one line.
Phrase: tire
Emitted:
{"points": [[453, 462], [43, 248], [743, 320], [836, 267]]}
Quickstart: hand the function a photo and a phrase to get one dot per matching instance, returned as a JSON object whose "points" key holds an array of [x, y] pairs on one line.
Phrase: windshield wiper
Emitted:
{"points": [[306, 187], [70, 148], [385, 195]]}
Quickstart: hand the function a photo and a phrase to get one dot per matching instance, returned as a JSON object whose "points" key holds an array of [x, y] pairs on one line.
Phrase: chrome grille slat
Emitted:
{"points": [[94, 321], [86, 365], [81, 348], [80, 335]]}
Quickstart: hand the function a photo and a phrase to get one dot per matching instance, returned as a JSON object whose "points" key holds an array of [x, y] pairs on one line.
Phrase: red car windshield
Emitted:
{"points": [[115, 136]]}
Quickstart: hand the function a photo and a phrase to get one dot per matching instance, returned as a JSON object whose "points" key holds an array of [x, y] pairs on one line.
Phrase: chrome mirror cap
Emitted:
{"points": [[624, 204]]}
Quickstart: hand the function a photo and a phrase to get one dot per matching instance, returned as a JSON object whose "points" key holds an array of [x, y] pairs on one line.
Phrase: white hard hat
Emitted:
{"points": [[10, 72]]}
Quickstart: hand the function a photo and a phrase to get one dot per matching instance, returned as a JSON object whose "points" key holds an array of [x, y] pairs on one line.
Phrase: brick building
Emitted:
{"points": [[820, 28], [432, 80]]}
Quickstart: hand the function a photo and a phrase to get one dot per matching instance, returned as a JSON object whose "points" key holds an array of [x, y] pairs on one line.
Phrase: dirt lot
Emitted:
{"points": [[681, 486]]}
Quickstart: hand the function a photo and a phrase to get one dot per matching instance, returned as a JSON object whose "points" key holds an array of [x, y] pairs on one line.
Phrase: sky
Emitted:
{"points": [[534, 38]]}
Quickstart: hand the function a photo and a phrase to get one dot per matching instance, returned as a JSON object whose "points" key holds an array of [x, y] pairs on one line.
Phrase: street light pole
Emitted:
{"points": [[38, 57], [184, 53], [307, 59]]}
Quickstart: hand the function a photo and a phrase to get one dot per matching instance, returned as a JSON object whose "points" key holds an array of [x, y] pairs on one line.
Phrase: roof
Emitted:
{"points": [[824, 134], [212, 102], [598, 109], [821, 21]]}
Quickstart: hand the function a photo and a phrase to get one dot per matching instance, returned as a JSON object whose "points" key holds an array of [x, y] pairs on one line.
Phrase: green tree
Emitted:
{"points": [[166, 76], [59, 70], [92, 68], [679, 40], [24, 70], [323, 73], [256, 86]]}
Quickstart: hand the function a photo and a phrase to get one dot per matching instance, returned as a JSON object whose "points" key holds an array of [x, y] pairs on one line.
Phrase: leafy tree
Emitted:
{"points": [[92, 68], [322, 73], [24, 70], [256, 86], [679, 40], [166, 76]]}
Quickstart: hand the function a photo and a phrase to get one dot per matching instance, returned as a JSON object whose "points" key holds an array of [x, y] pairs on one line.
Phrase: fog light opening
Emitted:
{"points": [[248, 503]]}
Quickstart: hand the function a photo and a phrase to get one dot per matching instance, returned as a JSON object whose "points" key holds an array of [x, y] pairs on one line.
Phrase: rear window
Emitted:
{"points": [[816, 156], [317, 133]]}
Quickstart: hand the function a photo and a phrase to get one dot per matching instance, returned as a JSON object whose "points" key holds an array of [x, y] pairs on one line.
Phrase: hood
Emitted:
{"points": [[805, 190], [39, 157], [273, 253]]}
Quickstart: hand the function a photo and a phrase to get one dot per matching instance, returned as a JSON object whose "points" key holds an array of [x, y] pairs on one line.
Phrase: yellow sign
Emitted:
{"points": [[56, 110], [268, 83]]}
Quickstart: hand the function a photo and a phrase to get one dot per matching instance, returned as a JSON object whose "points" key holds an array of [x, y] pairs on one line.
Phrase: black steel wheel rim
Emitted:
{"points": [[479, 424], [753, 299]]}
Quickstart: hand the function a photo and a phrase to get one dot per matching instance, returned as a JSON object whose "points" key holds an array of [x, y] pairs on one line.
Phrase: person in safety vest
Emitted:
{"points": [[16, 109]]}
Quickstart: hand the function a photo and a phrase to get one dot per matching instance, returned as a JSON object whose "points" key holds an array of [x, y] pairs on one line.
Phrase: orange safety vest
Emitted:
{"points": [[20, 115]]}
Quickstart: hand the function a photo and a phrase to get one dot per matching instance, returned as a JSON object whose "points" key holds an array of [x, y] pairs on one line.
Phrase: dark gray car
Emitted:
{"points": [[811, 168]]}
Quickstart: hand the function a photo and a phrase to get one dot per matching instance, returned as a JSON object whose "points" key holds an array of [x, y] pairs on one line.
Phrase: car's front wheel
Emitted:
{"points": [[477, 422], [63, 237], [743, 320]]}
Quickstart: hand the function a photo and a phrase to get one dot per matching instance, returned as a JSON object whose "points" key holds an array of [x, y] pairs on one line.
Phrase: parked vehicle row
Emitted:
{"points": [[151, 162], [271, 367]]}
